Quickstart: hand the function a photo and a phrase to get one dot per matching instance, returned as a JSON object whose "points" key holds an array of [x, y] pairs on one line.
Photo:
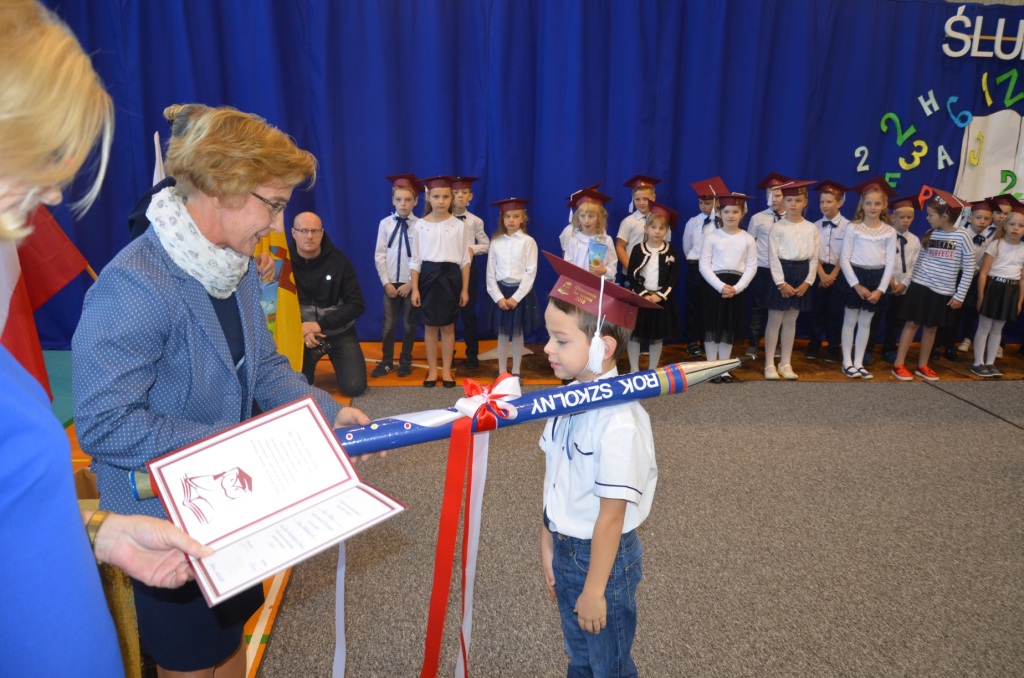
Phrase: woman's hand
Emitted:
{"points": [[148, 549]]}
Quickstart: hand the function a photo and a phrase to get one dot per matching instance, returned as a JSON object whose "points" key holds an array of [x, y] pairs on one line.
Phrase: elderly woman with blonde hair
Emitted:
{"points": [[55, 116], [173, 347]]}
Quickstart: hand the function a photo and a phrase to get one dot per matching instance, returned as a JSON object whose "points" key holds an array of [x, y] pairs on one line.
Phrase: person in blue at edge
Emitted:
{"points": [[173, 347], [56, 113]]}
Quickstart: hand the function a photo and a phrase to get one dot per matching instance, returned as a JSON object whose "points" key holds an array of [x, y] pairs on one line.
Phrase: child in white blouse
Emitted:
{"points": [[588, 245], [440, 276], [793, 260], [511, 271], [869, 252], [728, 262], [1000, 293]]}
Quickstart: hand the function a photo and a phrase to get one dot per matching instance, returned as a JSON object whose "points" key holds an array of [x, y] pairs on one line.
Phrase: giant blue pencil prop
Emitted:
{"points": [[430, 425]]}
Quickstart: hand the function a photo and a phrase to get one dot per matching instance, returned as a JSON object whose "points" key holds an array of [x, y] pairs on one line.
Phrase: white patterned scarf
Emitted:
{"points": [[218, 269]]}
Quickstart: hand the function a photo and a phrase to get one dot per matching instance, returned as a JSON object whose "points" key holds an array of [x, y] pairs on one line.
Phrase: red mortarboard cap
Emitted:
{"points": [[876, 183], [588, 195], [1000, 200], [734, 199], [1015, 205], [984, 205], [947, 198], [509, 204], [772, 180], [443, 181], [671, 216], [907, 201], [709, 188], [833, 187], [406, 181], [640, 181], [463, 182], [592, 187], [582, 289], [794, 187]]}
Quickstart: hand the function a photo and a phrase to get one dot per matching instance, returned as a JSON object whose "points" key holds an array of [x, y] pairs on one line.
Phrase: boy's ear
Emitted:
{"points": [[609, 347]]}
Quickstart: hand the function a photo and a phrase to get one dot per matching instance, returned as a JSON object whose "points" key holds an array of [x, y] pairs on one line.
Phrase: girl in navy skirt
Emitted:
{"points": [[511, 271], [440, 276], [1000, 293], [946, 256], [867, 260], [728, 263], [793, 260], [652, 272]]}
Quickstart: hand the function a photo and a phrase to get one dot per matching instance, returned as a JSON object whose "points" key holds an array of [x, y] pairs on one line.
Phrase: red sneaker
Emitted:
{"points": [[902, 373], [926, 373]]}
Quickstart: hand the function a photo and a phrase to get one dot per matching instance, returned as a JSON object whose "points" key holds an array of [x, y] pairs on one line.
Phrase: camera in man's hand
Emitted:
{"points": [[321, 349]]}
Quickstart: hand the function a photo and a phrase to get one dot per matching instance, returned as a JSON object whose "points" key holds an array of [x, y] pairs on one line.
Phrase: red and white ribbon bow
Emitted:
{"points": [[481, 409]]}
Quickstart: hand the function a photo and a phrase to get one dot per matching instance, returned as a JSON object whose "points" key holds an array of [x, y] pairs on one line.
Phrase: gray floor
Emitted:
{"points": [[854, 529]]}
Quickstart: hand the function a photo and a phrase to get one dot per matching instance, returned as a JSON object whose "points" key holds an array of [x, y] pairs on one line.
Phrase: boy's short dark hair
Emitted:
{"points": [[587, 322]]}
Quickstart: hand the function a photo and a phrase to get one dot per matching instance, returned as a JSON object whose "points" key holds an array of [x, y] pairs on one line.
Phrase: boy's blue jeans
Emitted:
{"points": [[606, 654]]}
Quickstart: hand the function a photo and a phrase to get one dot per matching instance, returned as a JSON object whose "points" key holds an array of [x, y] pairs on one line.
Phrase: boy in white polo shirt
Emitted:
{"points": [[599, 481]]}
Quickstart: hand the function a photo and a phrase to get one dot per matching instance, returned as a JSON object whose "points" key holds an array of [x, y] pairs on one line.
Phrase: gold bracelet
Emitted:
{"points": [[93, 526]]}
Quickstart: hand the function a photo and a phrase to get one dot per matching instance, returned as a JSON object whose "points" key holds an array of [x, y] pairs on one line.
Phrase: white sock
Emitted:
{"points": [[863, 332], [517, 352], [849, 323], [788, 335], [724, 351], [980, 337], [771, 336], [502, 353], [710, 350], [633, 351], [994, 337], [655, 353]]}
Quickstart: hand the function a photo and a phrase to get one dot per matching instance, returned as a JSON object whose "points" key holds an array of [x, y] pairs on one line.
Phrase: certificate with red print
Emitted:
{"points": [[266, 494]]}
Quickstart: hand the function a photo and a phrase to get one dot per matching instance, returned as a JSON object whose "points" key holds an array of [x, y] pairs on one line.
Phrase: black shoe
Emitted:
{"points": [[716, 380], [936, 354], [812, 352], [695, 351], [889, 357], [471, 362], [951, 355], [448, 384], [382, 370], [429, 383], [832, 356], [404, 370], [869, 359]]}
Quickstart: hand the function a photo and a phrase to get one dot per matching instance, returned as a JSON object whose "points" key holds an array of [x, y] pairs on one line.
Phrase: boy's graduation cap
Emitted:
{"points": [[509, 204], [984, 205], [638, 182], [463, 182], [671, 216], [906, 201], [641, 181], [876, 184], [833, 188], [443, 181], [405, 181], [604, 300]]}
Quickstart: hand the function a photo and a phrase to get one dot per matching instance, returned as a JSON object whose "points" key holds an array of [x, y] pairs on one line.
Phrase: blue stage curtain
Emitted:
{"points": [[536, 97]]}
